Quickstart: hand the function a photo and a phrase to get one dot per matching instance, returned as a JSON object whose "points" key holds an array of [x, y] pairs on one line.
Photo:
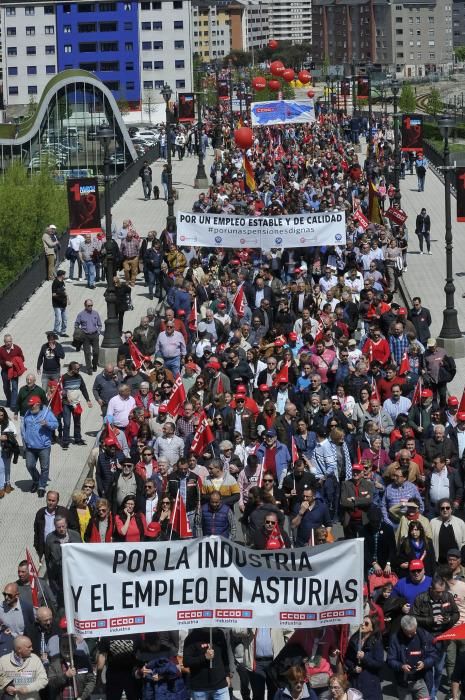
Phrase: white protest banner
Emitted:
{"points": [[116, 588], [266, 232]]}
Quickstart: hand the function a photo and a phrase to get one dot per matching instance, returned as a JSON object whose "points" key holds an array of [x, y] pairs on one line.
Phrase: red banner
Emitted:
{"points": [[363, 87], [186, 107], [83, 205], [361, 218], [398, 216], [412, 132]]}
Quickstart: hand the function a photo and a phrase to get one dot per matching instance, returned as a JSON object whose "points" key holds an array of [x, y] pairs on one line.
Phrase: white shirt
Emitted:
{"points": [[49, 523], [461, 441], [120, 409], [439, 486], [151, 507], [75, 242]]}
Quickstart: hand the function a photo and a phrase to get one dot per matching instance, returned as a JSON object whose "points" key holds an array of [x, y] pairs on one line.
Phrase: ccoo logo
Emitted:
{"points": [[183, 238], [278, 241], [338, 237], [242, 240], [218, 239], [302, 240]]}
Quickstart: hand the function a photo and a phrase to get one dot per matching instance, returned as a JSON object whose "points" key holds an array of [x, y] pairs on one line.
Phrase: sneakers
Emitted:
{"points": [[421, 252], [69, 279], [429, 252]]}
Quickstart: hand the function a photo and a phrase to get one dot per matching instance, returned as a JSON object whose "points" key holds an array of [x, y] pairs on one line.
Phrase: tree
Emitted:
{"points": [[407, 99], [460, 53], [240, 59], [123, 105], [31, 108], [434, 105]]}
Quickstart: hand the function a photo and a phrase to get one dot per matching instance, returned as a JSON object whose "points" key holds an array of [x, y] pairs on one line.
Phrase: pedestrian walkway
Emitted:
{"points": [[426, 274], [17, 510]]}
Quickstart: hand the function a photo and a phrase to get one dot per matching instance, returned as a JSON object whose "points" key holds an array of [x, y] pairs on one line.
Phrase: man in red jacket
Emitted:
{"points": [[8, 351]]}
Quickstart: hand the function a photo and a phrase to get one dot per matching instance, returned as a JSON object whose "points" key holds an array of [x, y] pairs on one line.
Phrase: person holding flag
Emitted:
{"points": [[271, 535], [32, 588], [187, 484]]}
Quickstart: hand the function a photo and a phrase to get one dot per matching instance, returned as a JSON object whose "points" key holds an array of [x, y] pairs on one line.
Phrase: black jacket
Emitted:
{"points": [[39, 527], [202, 677], [419, 223]]}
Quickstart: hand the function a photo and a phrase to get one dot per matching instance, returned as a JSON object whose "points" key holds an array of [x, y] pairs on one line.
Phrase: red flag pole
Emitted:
{"points": [[174, 513], [31, 565]]}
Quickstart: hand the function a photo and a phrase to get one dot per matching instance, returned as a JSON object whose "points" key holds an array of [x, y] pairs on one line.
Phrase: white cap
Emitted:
{"points": [[52, 226]]}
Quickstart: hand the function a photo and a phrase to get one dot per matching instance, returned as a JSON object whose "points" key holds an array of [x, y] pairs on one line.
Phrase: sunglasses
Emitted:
{"points": [[270, 522], [268, 481], [8, 595], [147, 454], [445, 508], [166, 503]]}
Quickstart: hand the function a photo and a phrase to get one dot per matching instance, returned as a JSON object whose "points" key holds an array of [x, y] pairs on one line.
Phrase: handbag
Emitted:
{"points": [[399, 263]]}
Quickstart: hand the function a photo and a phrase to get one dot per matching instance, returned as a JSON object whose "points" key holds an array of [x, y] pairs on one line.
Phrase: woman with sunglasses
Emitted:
{"points": [[163, 516], [101, 525], [416, 545], [365, 658], [221, 431], [129, 525]]}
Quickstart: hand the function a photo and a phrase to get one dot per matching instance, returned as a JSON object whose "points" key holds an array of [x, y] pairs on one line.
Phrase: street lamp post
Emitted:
{"points": [[395, 87], [201, 180], [112, 337], [170, 219], [450, 337]]}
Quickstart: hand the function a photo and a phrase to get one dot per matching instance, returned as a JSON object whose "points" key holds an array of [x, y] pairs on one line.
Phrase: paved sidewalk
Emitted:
{"points": [[17, 510], [425, 276]]}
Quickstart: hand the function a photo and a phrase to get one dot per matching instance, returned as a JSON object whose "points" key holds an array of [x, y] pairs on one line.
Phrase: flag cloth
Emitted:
{"points": [[359, 454], [136, 356], [282, 374], [404, 365], [462, 402], [192, 320], [457, 632], [374, 211], [56, 402], [239, 301], [109, 433], [203, 436], [294, 451], [33, 579], [374, 391], [249, 175], [177, 397], [416, 398], [179, 519], [275, 540], [219, 386]]}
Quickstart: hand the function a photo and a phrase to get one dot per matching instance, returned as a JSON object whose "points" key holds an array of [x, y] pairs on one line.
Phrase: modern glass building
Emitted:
{"points": [[62, 133]]}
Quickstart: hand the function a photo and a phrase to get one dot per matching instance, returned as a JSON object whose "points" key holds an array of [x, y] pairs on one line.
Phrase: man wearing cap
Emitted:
{"points": [[218, 382], [51, 247], [450, 413], [415, 583], [440, 369], [356, 499], [25, 393], [59, 303], [420, 416], [144, 336], [49, 360], [274, 455], [126, 483], [37, 430], [448, 530]]}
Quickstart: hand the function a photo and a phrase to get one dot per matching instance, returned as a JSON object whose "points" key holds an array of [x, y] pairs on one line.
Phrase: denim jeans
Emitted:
{"points": [[89, 269], [154, 280], [67, 413], [10, 388], [61, 320], [165, 189], [71, 268], [47, 376], [220, 694], [147, 187], [438, 669], [173, 364], [40, 479], [5, 464]]}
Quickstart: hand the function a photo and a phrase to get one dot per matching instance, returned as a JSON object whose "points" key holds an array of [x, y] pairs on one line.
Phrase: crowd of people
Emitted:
{"points": [[329, 418]]}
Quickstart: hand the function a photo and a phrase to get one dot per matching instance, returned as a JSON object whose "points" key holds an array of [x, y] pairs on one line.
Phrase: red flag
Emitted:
{"points": [[462, 402], [33, 579], [109, 432], [136, 356], [282, 374], [404, 365], [344, 633], [56, 402], [177, 397], [457, 632], [416, 398], [239, 301], [294, 452], [359, 454], [374, 390], [275, 539], [179, 519], [192, 320], [203, 436], [219, 386]]}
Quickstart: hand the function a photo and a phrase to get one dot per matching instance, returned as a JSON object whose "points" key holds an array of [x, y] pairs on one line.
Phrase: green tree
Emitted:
{"points": [[123, 105], [31, 108], [28, 202], [460, 53], [407, 99], [434, 105]]}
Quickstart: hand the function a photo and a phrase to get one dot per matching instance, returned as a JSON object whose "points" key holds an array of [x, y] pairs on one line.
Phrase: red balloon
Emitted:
{"points": [[304, 77], [272, 44], [288, 75], [277, 68], [274, 85], [310, 94], [243, 137], [259, 83]]}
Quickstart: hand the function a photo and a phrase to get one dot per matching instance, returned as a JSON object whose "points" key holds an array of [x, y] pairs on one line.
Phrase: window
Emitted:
{"points": [[159, 84], [430, 43], [399, 32], [177, 4], [129, 66], [32, 89], [146, 26], [107, 7], [30, 31], [86, 7], [12, 70], [50, 29], [128, 26], [12, 51], [109, 66], [145, 6], [130, 85], [109, 46], [158, 65], [399, 20], [87, 27], [50, 50], [67, 9], [67, 28], [10, 11], [11, 31], [32, 70], [49, 10], [88, 47], [399, 43], [108, 26], [67, 48], [148, 84], [157, 45], [13, 90], [179, 64], [30, 51], [158, 26], [50, 69], [178, 24], [179, 44], [146, 45], [29, 11], [91, 67], [146, 65], [156, 5], [180, 84], [129, 46], [128, 6], [112, 85]]}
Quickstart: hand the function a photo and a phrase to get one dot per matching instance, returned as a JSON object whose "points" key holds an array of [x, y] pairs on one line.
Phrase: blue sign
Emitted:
{"points": [[282, 112]]}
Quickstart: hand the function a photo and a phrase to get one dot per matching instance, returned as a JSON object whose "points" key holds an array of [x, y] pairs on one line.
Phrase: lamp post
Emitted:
{"points": [[112, 337], [395, 87], [201, 180], [170, 219], [450, 337]]}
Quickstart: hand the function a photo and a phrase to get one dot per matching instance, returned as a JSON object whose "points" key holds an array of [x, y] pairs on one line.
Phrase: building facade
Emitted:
{"points": [[290, 20], [133, 47], [211, 25], [458, 23]]}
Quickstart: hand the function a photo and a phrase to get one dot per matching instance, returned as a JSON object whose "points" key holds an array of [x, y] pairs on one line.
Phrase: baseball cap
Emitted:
{"points": [[461, 416], [352, 342], [52, 226], [452, 401], [221, 305], [292, 336], [454, 553], [357, 467], [279, 343], [190, 365], [34, 401], [282, 380], [402, 311], [239, 396], [213, 364], [426, 393], [51, 334], [235, 262], [416, 565], [109, 442], [241, 389], [270, 433], [181, 312], [163, 409], [263, 387], [159, 359], [431, 343]]}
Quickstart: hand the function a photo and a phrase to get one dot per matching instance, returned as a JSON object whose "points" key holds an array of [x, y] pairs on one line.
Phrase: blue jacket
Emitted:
{"points": [[37, 436], [403, 650], [283, 459], [408, 590], [215, 522], [170, 686]]}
